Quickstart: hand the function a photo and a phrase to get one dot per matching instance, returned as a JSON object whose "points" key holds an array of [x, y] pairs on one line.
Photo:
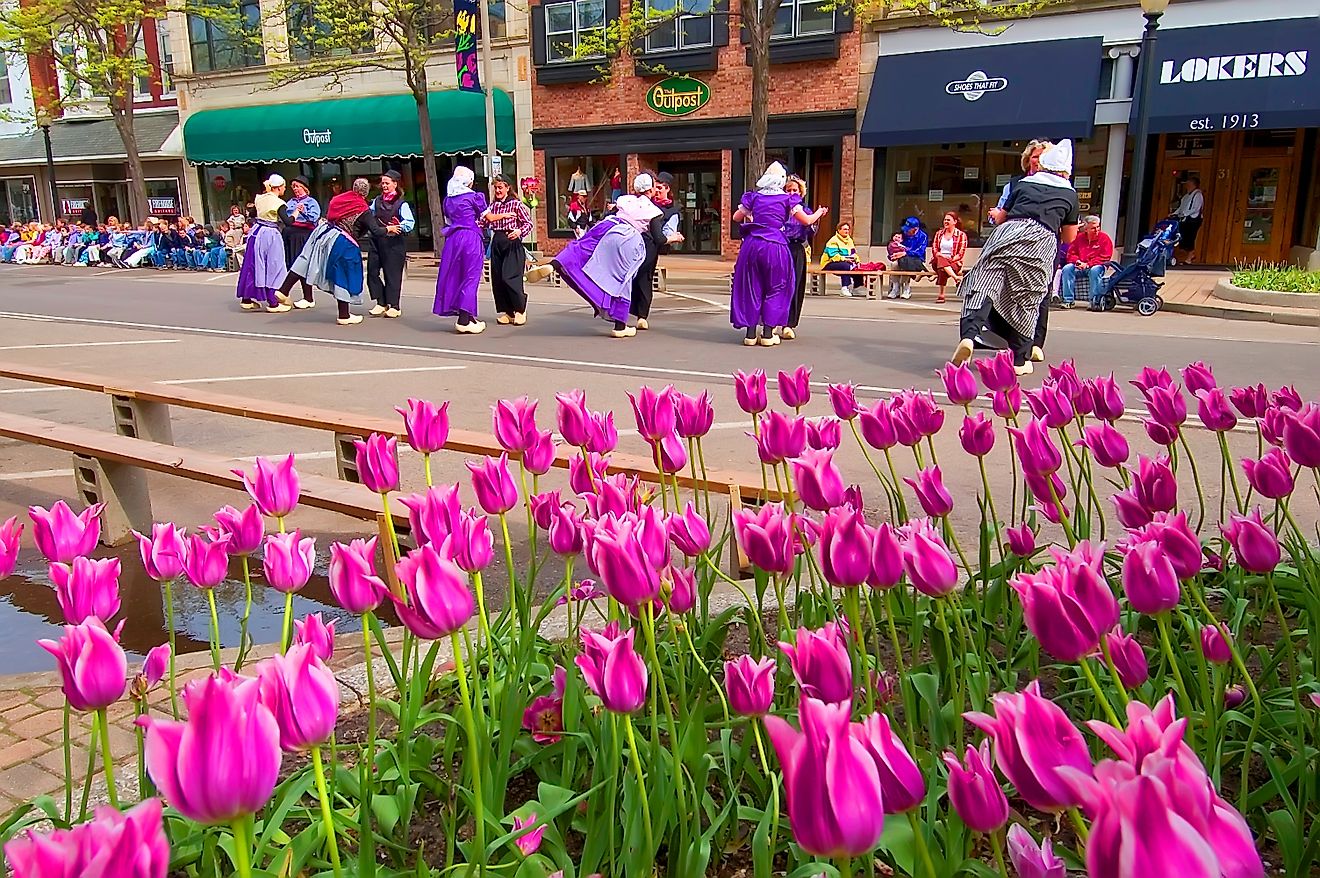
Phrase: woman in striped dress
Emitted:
{"points": [[511, 224], [1005, 289]]}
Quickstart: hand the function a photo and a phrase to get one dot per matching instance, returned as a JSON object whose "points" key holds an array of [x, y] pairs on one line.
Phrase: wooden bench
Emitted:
{"points": [[817, 278]]}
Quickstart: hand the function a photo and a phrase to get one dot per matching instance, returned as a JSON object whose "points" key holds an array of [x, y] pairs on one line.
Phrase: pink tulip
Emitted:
{"points": [[433, 516], [695, 415], [1033, 738], [1068, 606], [782, 437], [1051, 405], [1160, 434], [1107, 445], [1108, 396], [852, 498], [1255, 546], [926, 559], [795, 387], [1150, 377], [1149, 582], [619, 557], [1132, 514], [603, 437], [378, 462], [274, 486], [113, 845], [471, 546], [654, 412], [959, 383], [87, 588], [439, 602], [1154, 484], [288, 561], [92, 665], [1128, 657], [573, 418], [586, 474], [613, 670], [845, 548], [935, 499], [426, 425], [157, 664], [315, 633], [672, 453], [528, 842], [229, 734], [902, 785], [997, 372], [303, 695], [1199, 376], [679, 587], [1288, 398], [926, 417], [843, 399], [1167, 406], [1178, 541], [824, 434], [977, 434], [886, 558], [62, 536], [877, 425], [1250, 401], [1271, 476], [1214, 411], [493, 484], [750, 685], [1301, 435], [688, 531], [821, 663], [618, 494], [163, 552], [1272, 425], [974, 791], [514, 423], [353, 579], [1036, 449], [245, 529], [565, 531], [544, 717], [818, 480], [835, 801], [1215, 644], [10, 534], [749, 390], [766, 537], [206, 562], [1234, 696], [1033, 860], [1022, 540], [539, 457], [543, 505], [1006, 404]]}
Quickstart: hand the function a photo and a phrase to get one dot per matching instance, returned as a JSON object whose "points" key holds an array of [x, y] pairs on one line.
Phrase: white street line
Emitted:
{"points": [[64, 473], [283, 375], [42, 389], [89, 344]]}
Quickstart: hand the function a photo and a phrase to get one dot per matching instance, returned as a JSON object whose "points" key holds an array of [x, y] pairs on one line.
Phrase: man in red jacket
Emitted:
{"points": [[1089, 253]]}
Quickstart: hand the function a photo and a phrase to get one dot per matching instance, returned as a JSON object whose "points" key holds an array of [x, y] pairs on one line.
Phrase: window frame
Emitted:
{"points": [[6, 88], [680, 43], [215, 37], [576, 33], [795, 20]]}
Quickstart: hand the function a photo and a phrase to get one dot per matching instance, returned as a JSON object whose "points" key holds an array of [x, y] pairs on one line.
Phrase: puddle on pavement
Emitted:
{"points": [[29, 611]]}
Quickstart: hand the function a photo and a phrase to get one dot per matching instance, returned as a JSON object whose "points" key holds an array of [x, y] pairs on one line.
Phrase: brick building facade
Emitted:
{"points": [[586, 125]]}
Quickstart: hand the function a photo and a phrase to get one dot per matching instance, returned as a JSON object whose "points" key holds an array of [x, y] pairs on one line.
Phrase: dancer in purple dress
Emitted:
{"points": [[264, 265], [763, 275], [600, 266], [464, 254]]}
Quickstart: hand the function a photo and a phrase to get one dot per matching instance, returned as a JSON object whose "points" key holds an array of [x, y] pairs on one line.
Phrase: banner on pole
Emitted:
{"points": [[465, 45]]}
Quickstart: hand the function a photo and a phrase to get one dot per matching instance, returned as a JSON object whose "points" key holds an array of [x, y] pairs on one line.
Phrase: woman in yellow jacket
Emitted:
{"points": [[840, 254]]}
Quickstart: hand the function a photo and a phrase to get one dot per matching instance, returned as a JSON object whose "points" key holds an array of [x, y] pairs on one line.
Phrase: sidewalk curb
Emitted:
{"points": [[1286, 318]]}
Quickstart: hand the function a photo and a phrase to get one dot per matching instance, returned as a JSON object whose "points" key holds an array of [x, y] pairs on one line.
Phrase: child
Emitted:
{"points": [[216, 254], [895, 251]]}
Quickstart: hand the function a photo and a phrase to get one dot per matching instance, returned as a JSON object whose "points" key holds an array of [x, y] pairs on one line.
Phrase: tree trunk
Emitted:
{"points": [[758, 17], [418, 83], [137, 178]]}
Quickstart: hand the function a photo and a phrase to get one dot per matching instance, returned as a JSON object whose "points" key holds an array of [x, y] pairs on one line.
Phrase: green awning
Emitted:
{"points": [[383, 126]]}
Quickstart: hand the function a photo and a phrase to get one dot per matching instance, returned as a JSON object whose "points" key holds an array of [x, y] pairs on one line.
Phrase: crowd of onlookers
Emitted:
{"points": [[183, 244]]}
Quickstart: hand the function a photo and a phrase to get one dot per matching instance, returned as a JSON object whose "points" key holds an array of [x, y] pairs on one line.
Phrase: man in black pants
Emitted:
{"points": [[385, 261]]}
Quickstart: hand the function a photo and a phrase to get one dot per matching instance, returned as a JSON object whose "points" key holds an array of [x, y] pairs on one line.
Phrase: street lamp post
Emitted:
{"points": [[43, 122], [1153, 10]]}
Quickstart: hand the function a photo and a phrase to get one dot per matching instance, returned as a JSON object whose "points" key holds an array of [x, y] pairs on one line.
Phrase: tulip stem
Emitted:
{"points": [[1063, 514], [641, 784], [103, 726], [215, 628], [856, 645], [1089, 673], [953, 663], [242, 848], [286, 627], [169, 619], [997, 843], [898, 660], [648, 627], [483, 622], [389, 523], [68, 767], [247, 613], [426, 466], [1083, 833], [922, 849], [705, 480], [369, 656], [1196, 477], [898, 493], [508, 562], [1113, 672], [1162, 622], [327, 816], [1232, 472], [474, 756], [845, 867]]}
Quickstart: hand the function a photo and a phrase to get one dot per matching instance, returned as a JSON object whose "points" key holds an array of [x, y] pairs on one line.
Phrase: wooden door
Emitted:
{"points": [[1168, 189], [821, 191], [1262, 210]]}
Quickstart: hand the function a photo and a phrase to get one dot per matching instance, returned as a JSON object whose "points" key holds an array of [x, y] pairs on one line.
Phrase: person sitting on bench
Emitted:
{"points": [[840, 254]]}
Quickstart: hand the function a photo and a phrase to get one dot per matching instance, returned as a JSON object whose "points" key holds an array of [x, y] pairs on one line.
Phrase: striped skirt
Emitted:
{"points": [[1013, 272]]}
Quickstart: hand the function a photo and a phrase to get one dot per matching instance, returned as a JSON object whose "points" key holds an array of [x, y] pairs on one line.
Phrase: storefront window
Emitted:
{"points": [[73, 199], [587, 176], [682, 24], [18, 200], [224, 44], [570, 24], [800, 18], [968, 178], [163, 198]]}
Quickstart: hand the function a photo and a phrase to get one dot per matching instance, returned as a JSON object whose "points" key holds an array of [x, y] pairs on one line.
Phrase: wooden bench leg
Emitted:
{"points": [[738, 561], [346, 458], [123, 490], [138, 419]]}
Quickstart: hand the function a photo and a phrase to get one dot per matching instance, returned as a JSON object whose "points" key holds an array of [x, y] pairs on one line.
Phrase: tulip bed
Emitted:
{"points": [[881, 693]]}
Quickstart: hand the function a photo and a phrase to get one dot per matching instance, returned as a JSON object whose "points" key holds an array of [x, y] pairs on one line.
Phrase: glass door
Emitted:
{"points": [[1259, 219], [697, 195]]}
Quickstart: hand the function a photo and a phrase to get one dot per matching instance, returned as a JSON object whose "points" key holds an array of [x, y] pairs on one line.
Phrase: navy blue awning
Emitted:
{"points": [[1004, 91], [1256, 74]]}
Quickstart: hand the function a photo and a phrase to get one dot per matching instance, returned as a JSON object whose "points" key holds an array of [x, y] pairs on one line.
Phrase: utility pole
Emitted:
{"points": [[489, 90]]}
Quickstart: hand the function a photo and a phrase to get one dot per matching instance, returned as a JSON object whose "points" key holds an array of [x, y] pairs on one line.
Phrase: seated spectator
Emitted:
{"points": [[33, 240], [10, 238], [144, 249], [913, 258], [949, 248], [840, 254], [1090, 252], [217, 257], [235, 238]]}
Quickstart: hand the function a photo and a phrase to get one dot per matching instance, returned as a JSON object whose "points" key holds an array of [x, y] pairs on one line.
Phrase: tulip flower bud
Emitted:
{"points": [[514, 423], [613, 670], [157, 664], [438, 599], [378, 462], [1271, 476], [206, 562], [426, 425], [843, 399], [877, 425], [1177, 540], [1155, 486], [974, 791], [818, 480], [1150, 377], [128, 845], [695, 415], [1128, 657], [565, 531], [886, 558], [544, 716], [433, 516], [1068, 607], [749, 390], [288, 561], [602, 437], [977, 434], [766, 537], [671, 452], [586, 474], [679, 585], [926, 559], [1234, 696], [573, 417], [62, 536], [688, 531], [1301, 436], [1035, 448], [824, 434], [750, 685], [471, 546], [1199, 376], [1051, 405], [87, 588], [303, 695], [1255, 545], [1215, 644], [353, 579], [10, 534], [92, 665], [245, 529], [845, 548], [1033, 860], [1251, 402], [935, 499], [493, 484], [315, 633], [997, 373], [654, 412], [540, 454], [821, 663], [620, 559], [1214, 411], [274, 486], [1287, 398], [1107, 445], [1022, 540], [1108, 396], [795, 387], [1149, 582], [901, 783], [959, 383]]}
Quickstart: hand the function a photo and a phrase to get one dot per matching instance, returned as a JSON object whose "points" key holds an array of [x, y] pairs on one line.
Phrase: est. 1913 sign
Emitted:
{"points": [[677, 96]]}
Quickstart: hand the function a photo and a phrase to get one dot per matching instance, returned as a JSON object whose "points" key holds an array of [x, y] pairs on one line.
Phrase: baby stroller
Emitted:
{"points": [[1135, 284]]}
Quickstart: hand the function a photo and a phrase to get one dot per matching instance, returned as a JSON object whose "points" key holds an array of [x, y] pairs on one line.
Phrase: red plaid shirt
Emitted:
{"points": [[520, 222]]}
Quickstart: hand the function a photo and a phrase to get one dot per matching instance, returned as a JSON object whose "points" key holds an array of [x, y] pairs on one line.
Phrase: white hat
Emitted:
{"points": [[274, 181], [1058, 158], [643, 183]]}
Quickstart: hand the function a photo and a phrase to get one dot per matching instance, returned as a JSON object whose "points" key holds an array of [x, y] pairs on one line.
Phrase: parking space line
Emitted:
{"points": [[89, 344]]}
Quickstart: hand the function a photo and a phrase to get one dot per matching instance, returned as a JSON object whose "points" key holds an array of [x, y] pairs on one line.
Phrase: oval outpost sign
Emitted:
{"points": [[677, 96]]}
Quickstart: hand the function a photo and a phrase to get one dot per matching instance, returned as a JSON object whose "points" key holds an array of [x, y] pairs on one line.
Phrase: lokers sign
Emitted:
{"points": [[977, 85], [678, 96]]}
